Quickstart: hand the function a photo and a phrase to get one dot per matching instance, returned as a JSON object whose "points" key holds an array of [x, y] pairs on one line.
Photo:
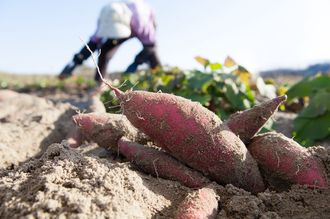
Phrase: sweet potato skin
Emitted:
{"points": [[193, 135], [106, 129], [160, 164], [248, 123], [199, 204], [283, 158]]}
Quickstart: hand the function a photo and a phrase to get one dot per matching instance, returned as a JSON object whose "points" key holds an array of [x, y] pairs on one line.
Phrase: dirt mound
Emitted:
{"points": [[29, 124], [64, 182]]}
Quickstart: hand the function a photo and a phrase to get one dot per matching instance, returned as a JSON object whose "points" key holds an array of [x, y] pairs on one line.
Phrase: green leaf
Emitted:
{"points": [[301, 89], [184, 93], [166, 79], [318, 105], [232, 94], [199, 80], [215, 66], [203, 99], [308, 86], [133, 78], [222, 113], [241, 69], [205, 62], [166, 83], [309, 130], [250, 95]]}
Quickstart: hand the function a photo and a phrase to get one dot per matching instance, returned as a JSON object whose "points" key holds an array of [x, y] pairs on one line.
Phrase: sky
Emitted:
{"points": [[42, 36]]}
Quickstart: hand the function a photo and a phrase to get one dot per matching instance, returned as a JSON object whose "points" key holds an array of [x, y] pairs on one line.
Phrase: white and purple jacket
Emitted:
{"points": [[113, 23], [143, 25]]}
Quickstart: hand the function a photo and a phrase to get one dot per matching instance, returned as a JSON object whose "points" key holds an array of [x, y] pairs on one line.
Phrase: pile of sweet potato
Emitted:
{"points": [[190, 144]]}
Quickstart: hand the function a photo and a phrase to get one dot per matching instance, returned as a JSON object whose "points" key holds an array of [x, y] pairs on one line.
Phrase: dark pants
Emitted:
{"points": [[108, 49], [148, 55]]}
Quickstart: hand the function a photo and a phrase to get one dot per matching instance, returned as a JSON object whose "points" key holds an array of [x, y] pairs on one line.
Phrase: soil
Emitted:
{"points": [[29, 125], [42, 177]]}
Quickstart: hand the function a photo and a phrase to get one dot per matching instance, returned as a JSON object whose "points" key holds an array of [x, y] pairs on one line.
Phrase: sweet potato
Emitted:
{"points": [[199, 204], [283, 158], [194, 135], [247, 123], [160, 164], [106, 129]]}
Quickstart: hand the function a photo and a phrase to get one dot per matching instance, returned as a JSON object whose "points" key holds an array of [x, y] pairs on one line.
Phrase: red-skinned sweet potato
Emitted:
{"points": [[193, 135], [283, 158], [106, 129], [160, 164], [247, 123], [199, 204]]}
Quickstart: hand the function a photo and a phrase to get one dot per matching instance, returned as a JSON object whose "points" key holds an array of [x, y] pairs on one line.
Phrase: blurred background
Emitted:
{"points": [[41, 36]]}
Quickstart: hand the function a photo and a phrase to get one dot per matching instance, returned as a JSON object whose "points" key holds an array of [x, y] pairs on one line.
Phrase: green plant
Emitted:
{"points": [[223, 89], [313, 122]]}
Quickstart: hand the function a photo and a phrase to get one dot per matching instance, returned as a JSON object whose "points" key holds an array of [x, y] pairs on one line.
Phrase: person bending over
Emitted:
{"points": [[113, 28]]}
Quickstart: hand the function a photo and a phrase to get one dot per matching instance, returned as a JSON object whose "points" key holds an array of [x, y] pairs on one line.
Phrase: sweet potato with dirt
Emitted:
{"points": [[106, 129], [199, 204], [284, 159], [248, 123], [160, 164], [194, 135]]}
